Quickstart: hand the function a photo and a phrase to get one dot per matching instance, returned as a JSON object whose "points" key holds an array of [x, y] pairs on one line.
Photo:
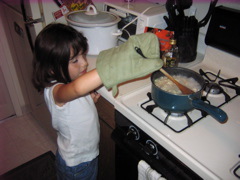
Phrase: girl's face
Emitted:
{"points": [[77, 66]]}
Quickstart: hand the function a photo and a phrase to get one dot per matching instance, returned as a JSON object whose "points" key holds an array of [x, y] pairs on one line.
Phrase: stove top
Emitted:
{"points": [[209, 148]]}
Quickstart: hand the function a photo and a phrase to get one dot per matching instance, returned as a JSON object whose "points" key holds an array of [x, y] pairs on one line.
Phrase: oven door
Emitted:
{"points": [[133, 145]]}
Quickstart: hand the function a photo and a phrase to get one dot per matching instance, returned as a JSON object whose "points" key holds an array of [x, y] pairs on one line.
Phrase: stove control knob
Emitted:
{"points": [[133, 133], [151, 148]]}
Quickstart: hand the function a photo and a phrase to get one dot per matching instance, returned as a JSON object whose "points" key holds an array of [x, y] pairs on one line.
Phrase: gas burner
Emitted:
{"points": [[179, 117], [214, 84], [175, 114], [213, 88]]}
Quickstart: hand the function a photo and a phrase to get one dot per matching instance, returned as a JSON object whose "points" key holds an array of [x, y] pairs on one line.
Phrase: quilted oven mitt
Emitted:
{"points": [[123, 63]]}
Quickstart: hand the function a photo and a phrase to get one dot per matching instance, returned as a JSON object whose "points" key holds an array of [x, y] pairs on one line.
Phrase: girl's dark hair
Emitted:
{"points": [[52, 54]]}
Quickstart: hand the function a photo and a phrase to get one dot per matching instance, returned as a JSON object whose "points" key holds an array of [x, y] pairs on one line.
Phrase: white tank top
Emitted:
{"points": [[77, 127]]}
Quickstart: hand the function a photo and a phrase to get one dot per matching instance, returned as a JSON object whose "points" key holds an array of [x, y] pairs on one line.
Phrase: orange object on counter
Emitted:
{"points": [[163, 35]]}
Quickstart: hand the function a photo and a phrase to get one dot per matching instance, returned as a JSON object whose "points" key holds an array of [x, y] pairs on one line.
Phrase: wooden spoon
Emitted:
{"points": [[182, 88]]}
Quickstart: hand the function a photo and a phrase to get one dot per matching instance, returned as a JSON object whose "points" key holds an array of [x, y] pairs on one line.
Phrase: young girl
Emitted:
{"points": [[60, 72]]}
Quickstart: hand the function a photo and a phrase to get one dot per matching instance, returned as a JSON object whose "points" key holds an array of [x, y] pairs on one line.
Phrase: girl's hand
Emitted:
{"points": [[95, 96]]}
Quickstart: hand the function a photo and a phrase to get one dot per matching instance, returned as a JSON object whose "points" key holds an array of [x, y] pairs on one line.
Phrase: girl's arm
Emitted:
{"points": [[84, 84]]}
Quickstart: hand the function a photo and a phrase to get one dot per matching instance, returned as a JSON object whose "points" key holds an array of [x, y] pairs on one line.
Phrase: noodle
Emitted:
{"points": [[167, 85]]}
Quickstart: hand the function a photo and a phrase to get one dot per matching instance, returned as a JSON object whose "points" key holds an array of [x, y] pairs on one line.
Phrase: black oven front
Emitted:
{"points": [[133, 145]]}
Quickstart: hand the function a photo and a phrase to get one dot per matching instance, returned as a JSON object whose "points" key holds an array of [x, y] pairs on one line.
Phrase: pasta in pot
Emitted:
{"points": [[167, 85]]}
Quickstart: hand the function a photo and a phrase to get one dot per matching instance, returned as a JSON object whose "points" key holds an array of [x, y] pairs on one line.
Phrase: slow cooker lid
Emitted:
{"points": [[81, 18]]}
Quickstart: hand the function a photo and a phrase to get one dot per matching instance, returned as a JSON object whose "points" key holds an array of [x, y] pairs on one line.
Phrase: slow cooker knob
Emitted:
{"points": [[133, 133]]}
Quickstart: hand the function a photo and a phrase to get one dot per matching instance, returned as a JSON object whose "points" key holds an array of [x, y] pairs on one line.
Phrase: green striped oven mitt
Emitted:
{"points": [[137, 57]]}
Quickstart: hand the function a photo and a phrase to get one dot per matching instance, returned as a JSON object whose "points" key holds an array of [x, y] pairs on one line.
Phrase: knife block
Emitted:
{"points": [[186, 33]]}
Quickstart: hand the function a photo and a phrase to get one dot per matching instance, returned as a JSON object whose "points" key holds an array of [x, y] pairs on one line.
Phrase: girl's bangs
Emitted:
{"points": [[79, 45]]}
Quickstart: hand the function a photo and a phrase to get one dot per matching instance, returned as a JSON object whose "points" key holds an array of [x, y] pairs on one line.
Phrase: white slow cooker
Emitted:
{"points": [[100, 28]]}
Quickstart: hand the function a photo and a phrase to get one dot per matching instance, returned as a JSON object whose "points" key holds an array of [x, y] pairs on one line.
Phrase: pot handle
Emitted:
{"points": [[215, 112], [91, 12]]}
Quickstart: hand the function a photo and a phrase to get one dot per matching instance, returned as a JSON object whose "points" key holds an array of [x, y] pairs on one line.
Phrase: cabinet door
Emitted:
{"points": [[107, 145], [6, 107], [107, 153]]}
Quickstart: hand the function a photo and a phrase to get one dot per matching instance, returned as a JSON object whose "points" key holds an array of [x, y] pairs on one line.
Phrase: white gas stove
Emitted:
{"points": [[209, 148]]}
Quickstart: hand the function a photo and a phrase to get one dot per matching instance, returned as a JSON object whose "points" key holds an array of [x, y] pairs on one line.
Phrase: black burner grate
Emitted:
{"points": [[212, 78]]}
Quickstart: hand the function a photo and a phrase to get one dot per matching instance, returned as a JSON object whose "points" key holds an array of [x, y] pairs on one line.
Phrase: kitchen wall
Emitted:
{"points": [[200, 5]]}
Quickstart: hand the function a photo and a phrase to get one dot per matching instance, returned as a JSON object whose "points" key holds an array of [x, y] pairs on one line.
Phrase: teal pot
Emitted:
{"points": [[184, 103]]}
